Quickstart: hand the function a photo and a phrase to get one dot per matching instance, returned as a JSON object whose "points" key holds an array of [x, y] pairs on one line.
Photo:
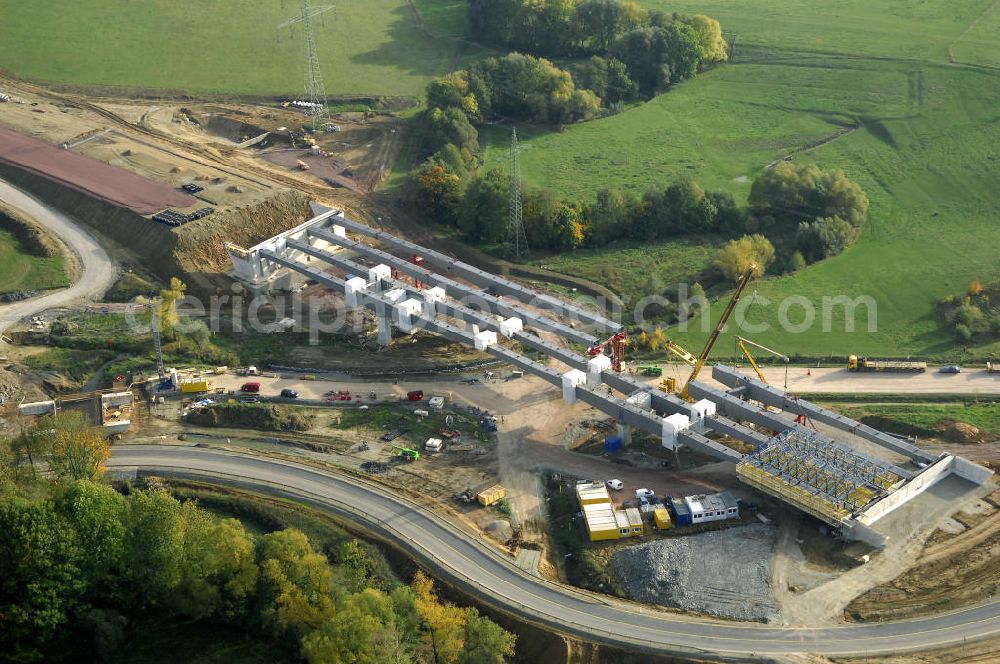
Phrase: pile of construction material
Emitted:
{"points": [[725, 573]]}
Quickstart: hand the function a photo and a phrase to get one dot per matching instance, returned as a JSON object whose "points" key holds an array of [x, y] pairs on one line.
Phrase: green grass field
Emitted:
{"points": [[376, 47], [19, 271], [919, 131], [930, 416]]}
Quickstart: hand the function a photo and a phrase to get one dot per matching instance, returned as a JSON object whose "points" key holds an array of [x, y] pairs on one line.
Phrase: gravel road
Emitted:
{"points": [[97, 269]]}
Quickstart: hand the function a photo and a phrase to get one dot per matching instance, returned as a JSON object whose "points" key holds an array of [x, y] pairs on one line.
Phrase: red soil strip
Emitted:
{"points": [[95, 178]]}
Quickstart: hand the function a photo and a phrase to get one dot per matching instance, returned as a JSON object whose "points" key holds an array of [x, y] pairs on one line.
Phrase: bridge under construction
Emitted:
{"points": [[791, 461]]}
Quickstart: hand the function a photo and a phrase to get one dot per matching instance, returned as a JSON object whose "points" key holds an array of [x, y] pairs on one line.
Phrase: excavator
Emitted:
{"points": [[698, 362]]}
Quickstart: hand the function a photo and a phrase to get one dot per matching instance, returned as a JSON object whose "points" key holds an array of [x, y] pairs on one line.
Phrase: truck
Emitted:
{"points": [[406, 453], [993, 367], [863, 364]]}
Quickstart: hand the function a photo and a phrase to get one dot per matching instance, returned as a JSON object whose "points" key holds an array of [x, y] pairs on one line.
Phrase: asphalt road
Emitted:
{"points": [[491, 578], [97, 269]]}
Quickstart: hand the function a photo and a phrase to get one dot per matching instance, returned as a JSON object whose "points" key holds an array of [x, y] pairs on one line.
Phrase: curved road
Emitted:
{"points": [[489, 576], [97, 270]]}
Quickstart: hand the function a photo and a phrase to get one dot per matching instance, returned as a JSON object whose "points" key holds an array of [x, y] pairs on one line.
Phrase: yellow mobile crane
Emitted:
{"points": [[698, 362], [741, 344]]}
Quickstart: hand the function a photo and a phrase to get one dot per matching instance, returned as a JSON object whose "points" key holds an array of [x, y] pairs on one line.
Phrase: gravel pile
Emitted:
{"points": [[724, 573], [375, 467]]}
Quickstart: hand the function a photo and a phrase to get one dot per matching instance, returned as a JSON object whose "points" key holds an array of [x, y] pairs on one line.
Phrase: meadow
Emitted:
{"points": [[902, 96], [21, 271], [376, 47]]}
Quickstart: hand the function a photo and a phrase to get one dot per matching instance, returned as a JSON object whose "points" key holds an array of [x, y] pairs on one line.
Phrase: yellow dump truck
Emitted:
{"points": [[489, 496], [661, 519]]}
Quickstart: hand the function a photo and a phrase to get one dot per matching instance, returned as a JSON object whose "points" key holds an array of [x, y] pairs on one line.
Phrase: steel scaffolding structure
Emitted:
{"points": [[820, 476]]}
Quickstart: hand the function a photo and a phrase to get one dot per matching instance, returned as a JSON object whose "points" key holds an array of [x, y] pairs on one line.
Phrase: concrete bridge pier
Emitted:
{"points": [[384, 329], [625, 433]]}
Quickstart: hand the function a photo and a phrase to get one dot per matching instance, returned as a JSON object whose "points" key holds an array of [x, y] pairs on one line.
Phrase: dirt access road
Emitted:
{"points": [[97, 269], [531, 438]]}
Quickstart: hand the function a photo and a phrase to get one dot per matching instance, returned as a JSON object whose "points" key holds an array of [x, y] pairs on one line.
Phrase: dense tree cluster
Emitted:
{"points": [[823, 207], [82, 561], [973, 314], [480, 210], [655, 49]]}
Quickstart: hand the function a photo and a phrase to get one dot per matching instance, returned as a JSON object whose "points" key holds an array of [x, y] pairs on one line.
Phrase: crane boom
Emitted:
{"points": [[780, 356], [681, 352], [155, 325], [712, 338]]}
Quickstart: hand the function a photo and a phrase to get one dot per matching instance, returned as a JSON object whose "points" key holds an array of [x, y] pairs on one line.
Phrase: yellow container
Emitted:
{"points": [[489, 496], [661, 519], [192, 386]]}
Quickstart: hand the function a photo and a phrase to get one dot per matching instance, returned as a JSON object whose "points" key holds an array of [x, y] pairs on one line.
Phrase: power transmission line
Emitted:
{"points": [[315, 91], [517, 242]]}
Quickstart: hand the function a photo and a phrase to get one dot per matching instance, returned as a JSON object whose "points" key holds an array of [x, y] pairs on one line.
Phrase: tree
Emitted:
{"points": [[450, 125], [296, 584], [490, 21], [793, 193], [96, 512], [824, 237], [40, 586], [729, 218], [218, 568], [643, 52], [971, 317], [155, 537], [995, 324], [363, 631], [796, 262], [445, 622], [438, 193], [605, 77], [485, 205], [711, 46], [168, 306], [975, 288], [736, 256], [485, 641], [610, 215], [79, 455]]}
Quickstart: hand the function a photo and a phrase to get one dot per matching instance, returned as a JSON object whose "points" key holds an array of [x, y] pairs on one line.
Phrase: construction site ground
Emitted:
{"points": [[173, 143]]}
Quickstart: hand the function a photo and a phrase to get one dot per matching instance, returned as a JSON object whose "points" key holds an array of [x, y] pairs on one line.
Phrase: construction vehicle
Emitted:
{"points": [[863, 364], [741, 345], [650, 370], [406, 453], [993, 367], [165, 382], [697, 363], [615, 346]]}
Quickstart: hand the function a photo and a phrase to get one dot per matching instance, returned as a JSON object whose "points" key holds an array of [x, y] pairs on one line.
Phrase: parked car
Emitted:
{"points": [[253, 388], [289, 394], [415, 395], [615, 485], [645, 493], [950, 369], [248, 398]]}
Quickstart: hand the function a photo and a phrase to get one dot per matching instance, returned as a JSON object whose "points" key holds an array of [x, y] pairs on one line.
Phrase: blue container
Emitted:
{"points": [[613, 444]]}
